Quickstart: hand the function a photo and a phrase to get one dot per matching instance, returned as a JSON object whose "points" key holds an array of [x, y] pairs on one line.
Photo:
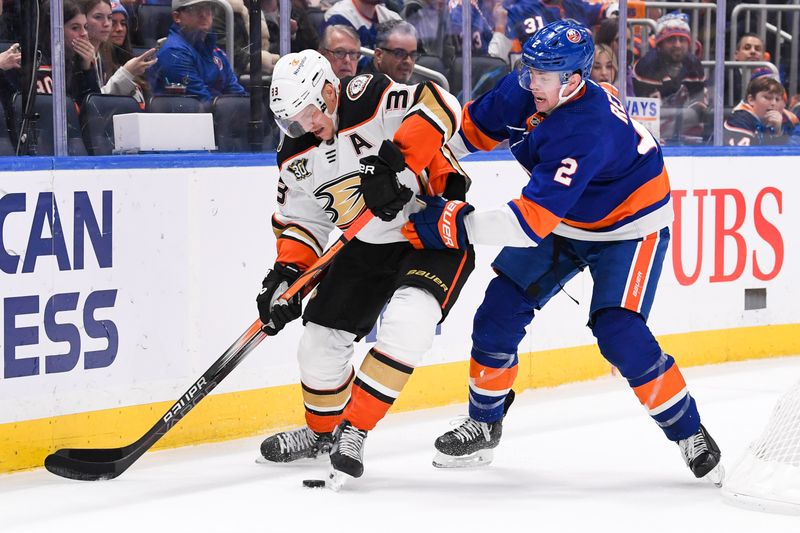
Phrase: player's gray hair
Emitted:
{"points": [[390, 27], [342, 28]]}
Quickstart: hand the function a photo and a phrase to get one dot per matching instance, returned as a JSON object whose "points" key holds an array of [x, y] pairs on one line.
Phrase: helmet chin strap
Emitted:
{"points": [[332, 113], [562, 98]]}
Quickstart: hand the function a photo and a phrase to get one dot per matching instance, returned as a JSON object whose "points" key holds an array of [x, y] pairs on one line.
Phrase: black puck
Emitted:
{"points": [[314, 483]]}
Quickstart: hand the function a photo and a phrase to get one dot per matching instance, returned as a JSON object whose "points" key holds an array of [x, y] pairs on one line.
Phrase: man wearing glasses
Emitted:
{"points": [[340, 45], [190, 59], [395, 51]]}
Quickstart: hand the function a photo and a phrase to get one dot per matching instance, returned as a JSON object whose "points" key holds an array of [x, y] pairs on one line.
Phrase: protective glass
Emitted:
{"points": [[542, 80], [299, 124]]}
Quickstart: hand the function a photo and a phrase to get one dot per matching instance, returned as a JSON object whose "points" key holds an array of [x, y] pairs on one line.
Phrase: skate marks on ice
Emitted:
{"points": [[571, 459]]}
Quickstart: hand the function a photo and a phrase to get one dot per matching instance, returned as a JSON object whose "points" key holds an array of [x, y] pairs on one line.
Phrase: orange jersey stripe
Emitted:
{"points": [[454, 282], [291, 251], [639, 275], [438, 170], [492, 379], [646, 195], [661, 389], [473, 133], [416, 137], [538, 219]]}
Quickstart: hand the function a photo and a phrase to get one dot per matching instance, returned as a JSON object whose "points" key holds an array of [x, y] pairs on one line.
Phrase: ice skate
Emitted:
{"points": [[471, 443], [288, 446], [702, 456], [347, 454]]}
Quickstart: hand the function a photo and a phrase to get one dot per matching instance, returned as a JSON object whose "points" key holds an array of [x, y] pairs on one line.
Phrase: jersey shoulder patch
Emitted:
{"points": [[361, 98], [291, 147], [357, 86]]}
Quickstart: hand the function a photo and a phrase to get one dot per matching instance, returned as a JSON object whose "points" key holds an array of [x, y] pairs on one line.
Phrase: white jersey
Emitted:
{"points": [[318, 185]]}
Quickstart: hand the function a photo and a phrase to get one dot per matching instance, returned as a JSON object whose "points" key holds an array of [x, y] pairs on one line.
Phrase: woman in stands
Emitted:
{"points": [[604, 67], [121, 50], [114, 79], [80, 75]]}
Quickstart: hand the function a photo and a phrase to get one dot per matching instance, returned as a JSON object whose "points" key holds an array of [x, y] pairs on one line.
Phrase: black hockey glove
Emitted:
{"points": [[456, 187], [276, 313], [383, 193]]}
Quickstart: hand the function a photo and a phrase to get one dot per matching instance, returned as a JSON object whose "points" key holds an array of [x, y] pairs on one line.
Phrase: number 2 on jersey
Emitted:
{"points": [[568, 167]]}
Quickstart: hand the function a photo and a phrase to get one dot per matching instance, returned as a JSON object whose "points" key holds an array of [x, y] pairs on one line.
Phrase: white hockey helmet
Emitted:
{"points": [[297, 83]]}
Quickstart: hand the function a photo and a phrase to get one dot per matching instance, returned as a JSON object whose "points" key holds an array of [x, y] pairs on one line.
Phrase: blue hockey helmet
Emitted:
{"points": [[563, 46]]}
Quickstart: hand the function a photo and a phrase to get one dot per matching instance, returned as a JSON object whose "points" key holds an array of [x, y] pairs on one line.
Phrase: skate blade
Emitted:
{"points": [[261, 460], [477, 459], [336, 480], [716, 475]]}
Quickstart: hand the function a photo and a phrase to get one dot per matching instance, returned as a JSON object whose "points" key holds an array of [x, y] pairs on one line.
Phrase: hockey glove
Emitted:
{"points": [[383, 193], [439, 226], [274, 312]]}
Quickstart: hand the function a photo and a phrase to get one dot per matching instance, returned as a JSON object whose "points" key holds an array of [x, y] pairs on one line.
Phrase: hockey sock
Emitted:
{"points": [[491, 376], [377, 385], [324, 408], [627, 343]]}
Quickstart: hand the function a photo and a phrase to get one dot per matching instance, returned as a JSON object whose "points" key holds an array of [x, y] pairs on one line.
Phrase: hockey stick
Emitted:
{"points": [[92, 464]]}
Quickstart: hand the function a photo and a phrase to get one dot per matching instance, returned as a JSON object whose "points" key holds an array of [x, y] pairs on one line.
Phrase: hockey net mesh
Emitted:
{"points": [[767, 477]]}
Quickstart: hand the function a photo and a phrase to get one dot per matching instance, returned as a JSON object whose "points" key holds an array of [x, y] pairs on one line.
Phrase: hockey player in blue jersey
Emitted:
{"points": [[598, 197]]}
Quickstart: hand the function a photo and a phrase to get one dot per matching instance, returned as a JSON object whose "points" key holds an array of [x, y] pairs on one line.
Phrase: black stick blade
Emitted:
{"points": [[81, 465]]}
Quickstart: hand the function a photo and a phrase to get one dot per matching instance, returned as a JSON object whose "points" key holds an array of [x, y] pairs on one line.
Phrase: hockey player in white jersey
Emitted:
{"points": [[363, 143]]}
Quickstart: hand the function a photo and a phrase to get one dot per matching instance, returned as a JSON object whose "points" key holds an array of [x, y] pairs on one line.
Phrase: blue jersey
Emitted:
{"points": [[595, 174], [527, 16], [201, 66]]}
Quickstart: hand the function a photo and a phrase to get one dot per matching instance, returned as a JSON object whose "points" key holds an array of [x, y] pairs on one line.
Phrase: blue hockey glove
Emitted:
{"points": [[439, 226], [274, 312]]}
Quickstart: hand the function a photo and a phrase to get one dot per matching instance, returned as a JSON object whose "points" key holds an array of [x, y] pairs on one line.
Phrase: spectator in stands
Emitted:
{"points": [[113, 78], [363, 15], [757, 120], [190, 57], [604, 67], [11, 58], [304, 35], [241, 38], [516, 20], [395, 51], [749, 48], [80, 76], [671, 73], [340, 45], [431, 19], [607, 33], [482, 24], [121, 51]]}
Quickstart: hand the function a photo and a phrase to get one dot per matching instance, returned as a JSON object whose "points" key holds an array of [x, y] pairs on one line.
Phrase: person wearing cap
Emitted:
{"points": [[190, 55], [670, 72], [119, 39]]}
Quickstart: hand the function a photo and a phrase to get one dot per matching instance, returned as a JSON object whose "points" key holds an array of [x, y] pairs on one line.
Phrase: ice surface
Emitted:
{"points": [[582, 457]]}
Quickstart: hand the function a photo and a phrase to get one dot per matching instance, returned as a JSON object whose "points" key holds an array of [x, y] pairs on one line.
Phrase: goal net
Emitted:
{"points": [[767, 477]]}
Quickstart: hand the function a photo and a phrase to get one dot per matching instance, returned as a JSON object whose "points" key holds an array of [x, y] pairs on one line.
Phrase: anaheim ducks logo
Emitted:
{"points": [[357, 86], [343, 202]]}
